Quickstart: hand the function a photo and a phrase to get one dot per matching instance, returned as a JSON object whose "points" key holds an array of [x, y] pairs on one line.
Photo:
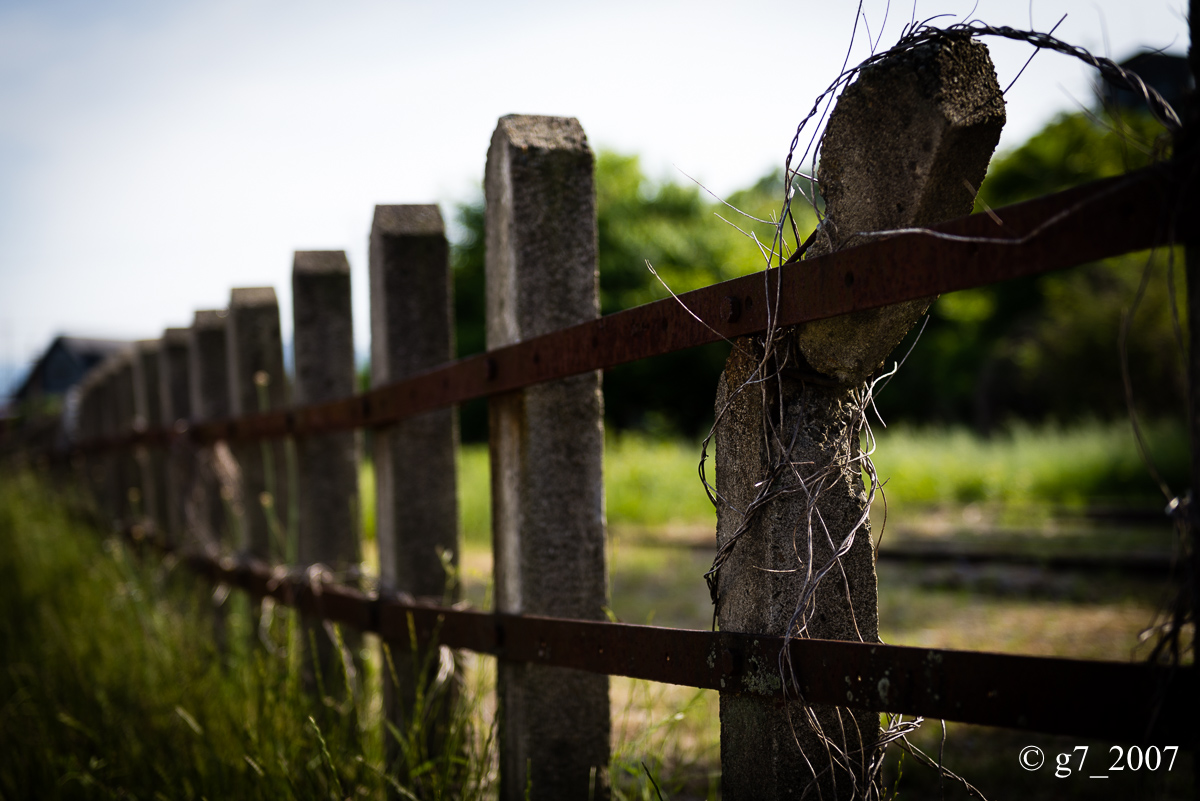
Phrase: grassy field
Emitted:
{"points": [[110, 691], [1023, 471], [1026, 466], [112, 686]]}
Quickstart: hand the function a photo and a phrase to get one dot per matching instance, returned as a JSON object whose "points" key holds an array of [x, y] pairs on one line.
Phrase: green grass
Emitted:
{"points": [[1090, 463], [653, 484], [108, 691], [648, 483], [112, 685]]}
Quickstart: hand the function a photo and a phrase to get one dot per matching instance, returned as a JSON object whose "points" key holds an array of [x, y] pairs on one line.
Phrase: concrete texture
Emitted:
{"points": [[547, 447], [105, 468], [148, 416], [257, 383], [416, 518], [329, 528], [208, 366], [86, 429], [208, 383], [944, 113], [131, 489], [900, 144], [412, 330], [174, 393], [89, 428], [326, 464]]}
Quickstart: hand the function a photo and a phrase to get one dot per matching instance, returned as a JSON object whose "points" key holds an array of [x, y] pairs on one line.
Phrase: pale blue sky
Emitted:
{"points": [[156, 154]]}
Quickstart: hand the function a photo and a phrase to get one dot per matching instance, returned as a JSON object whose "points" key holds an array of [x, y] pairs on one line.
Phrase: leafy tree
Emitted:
{"points": [[1046, 346]]}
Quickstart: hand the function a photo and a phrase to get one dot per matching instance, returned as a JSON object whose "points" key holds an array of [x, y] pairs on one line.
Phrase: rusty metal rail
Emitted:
{"points": [[1106, 700], [1098, 220]]}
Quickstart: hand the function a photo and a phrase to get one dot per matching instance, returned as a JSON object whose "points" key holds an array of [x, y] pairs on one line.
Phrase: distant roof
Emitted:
{"points": [[92, 344], [64, 363], [1168, 74]]}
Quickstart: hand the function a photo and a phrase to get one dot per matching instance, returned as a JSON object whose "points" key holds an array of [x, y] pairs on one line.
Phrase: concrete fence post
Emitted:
{"points": [[91, 426], [175, 405], [131, 490], [257, 383], [213, 488], [326, 464], [905, 144], [84, 430], [412, 330], [416, 517], [148, 415], [82, 462], [114, 482], [547, 450]]}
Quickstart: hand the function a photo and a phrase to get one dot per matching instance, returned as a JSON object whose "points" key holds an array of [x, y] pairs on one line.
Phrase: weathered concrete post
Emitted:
{"points": [[116, 486], [85, 431], [112, 483], [213, 488], [175, 405], [326, 464], [148, 415], [257, 383], [93, 425], [902, 145], [547, 450], [131, 495], [412, 330]]}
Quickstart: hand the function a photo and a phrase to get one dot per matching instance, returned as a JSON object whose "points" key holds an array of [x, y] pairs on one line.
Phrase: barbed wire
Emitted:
{"points": [[919, 34]]}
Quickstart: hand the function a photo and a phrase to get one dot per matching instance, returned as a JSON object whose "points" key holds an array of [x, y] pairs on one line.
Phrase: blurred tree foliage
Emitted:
{"points": [[1046, 347], [1033, 349]]}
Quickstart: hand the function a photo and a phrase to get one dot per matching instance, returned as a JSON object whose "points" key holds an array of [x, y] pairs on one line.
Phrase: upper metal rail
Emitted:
{"points": [[1105, 218]]}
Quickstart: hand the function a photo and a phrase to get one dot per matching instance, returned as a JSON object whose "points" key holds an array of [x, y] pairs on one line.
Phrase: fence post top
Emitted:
{"points": [[320, 261], [905, 136], [117, 359], [174, 336], [103, 371], [907, 144], [148, 346], [423, 219], [526, 131], [209, 319], [251, 296]]}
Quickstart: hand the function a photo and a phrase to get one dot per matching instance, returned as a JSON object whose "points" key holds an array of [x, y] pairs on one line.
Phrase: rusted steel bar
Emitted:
{"points": [[1101, 219], [1104, 700]]}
